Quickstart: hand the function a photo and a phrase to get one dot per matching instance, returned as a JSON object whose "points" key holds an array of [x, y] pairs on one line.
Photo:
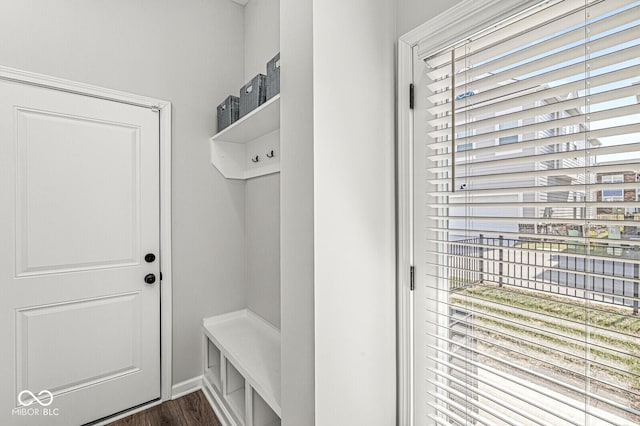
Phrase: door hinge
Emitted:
{"points": [[412, 278], [160, 276], [411, 96]]}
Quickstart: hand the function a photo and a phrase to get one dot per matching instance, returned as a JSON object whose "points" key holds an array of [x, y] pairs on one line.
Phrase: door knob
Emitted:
{"points": [[149, 257], [150, 279]]}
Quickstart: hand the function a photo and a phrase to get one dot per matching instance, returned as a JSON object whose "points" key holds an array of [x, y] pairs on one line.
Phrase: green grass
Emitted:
{"points": [[632, 381], [565, 307], [562, 308], [457, 282]]}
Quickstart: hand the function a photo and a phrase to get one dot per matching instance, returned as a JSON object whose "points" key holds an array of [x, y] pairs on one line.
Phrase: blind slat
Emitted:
{"points": [[504, 332], [479, 79], [474, 403], [546, 237], [551, 287], [544, 377], [533, 158], [470, 123], [451, 403], [580, 172], [538, 81], [574, 120], [536, 240], [489, 101], [504, 390], [510, 37], [531, 220], [498, 401], [539, 297], [504, 58], [455, 201], [533, 403]]}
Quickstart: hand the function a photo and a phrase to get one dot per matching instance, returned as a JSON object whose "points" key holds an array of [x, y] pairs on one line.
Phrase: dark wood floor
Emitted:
{"points": [[190, 410]]}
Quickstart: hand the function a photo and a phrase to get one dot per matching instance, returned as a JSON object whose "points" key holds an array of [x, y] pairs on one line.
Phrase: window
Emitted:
{"points": [[464, 147], [613, 178], [505, 140], [532, 308], [612, 195]]}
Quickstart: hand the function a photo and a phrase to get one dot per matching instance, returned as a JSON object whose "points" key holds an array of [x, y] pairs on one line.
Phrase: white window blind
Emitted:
{"points": [[534, 233]]}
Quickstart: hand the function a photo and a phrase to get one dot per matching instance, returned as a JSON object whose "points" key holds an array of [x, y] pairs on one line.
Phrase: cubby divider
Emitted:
{"points": [[234, 390], [261, 413], [212, 369], [242, 368]]}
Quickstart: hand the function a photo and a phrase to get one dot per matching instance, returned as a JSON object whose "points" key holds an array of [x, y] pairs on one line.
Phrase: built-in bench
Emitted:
{"points": [[242, 368]]}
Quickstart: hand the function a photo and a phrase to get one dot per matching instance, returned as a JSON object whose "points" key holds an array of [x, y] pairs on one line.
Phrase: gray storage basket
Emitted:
{"points": [[253, 94], [228, 112], [273, 76]]}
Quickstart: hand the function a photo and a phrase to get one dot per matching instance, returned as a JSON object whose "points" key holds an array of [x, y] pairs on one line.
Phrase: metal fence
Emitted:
{"points": [[598, 272]]}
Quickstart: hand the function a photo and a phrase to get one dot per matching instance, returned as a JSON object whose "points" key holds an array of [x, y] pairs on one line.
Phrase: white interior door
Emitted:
{"points": [[79, 210]]}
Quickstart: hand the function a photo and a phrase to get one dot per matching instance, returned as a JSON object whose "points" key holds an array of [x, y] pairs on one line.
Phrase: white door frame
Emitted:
{"points": [[437, 33], [405, 231], [164, 109]]}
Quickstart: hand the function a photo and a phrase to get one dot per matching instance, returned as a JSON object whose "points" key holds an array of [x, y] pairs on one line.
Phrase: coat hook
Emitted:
{"points": [[256, 159], [270, 154]]}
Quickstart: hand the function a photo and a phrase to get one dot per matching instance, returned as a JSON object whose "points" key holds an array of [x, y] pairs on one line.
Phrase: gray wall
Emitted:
{"points": [[337, 205], [187, 52], [354, 212], [296, 207], [262, 201], [411, 13], [261, 35], [262, 198]]}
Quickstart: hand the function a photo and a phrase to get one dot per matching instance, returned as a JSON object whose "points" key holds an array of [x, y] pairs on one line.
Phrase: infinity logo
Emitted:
{"points": [[45, 401]]}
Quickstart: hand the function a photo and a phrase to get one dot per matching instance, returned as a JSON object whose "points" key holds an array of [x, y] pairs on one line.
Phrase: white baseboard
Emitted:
{"points": [[178, 390], [218, 408], [198, 383], [186, 387]]}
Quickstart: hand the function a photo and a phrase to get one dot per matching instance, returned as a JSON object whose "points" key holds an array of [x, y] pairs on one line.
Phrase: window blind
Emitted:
{"points": [[533, 152]]}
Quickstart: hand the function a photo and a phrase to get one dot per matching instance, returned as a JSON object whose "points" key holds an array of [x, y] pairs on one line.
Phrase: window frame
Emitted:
{"points": [[407, 43]]}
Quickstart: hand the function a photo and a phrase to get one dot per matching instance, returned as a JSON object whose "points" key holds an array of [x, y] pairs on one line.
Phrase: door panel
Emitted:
{"points": [[100, 343], [79, 209], [106, 156]]}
